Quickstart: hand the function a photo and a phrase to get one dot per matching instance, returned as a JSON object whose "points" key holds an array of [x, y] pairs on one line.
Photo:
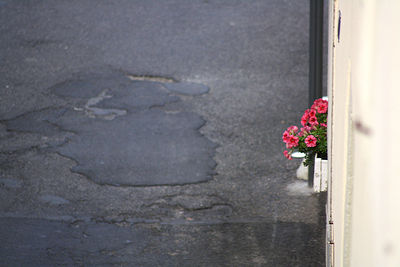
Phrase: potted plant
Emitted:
{"points": [[311, 139]]}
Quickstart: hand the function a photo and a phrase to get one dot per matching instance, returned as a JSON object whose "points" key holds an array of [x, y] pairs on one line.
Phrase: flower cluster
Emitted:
{"points": [[312, 137]]}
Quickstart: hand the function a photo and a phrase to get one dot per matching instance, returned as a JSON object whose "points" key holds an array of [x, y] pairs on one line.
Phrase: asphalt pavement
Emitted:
{"points": [[148, 133]]}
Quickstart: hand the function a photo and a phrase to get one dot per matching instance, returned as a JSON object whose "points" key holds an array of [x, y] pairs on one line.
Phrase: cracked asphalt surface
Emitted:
{"points": [[148, 133]]}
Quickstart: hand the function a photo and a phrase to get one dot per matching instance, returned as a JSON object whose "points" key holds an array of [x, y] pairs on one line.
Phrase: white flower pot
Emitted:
{"points": [[320, 174]]}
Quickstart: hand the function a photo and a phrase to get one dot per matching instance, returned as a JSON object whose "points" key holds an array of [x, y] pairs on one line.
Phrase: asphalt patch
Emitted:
{"points": [[119, 137], [186, 88], [147, 148]]}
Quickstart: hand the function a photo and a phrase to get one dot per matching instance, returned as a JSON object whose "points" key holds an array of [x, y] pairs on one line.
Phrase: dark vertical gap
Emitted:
{"points": [[315, 62]]}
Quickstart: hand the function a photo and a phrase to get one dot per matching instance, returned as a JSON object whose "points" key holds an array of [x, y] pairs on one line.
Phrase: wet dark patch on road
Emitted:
{"points": [[39, 242]]}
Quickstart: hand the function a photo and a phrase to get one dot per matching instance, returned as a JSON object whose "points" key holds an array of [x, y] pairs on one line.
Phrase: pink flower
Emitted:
{"points": [[287, 155], [293, 141], [322, 108], [304, 121], [312, 113], [311, 141], [324, 125], [304, 130], [319, 101], [285, 137], [292, 129], [320, 105], [313, 121], [304, 118]]}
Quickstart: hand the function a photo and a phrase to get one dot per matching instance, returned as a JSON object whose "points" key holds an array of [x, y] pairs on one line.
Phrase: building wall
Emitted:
{"points": [[364, 95]]}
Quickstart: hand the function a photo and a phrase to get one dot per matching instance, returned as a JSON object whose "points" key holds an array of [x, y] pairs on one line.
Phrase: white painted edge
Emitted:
{"points": [[320, 175], [324, 177], [317, 174]]}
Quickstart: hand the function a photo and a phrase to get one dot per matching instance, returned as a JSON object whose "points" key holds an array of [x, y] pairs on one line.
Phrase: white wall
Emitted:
{"points": [[364, 94]]}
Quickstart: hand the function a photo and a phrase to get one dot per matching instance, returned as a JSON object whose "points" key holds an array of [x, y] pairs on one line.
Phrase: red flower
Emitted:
{"points": [[304, 118], [292, 128], [311, 141], [312, 113], [313, 121], [285, 137], [304, 121], [322, 108], [287, 155], [320, 105], [293, 141]]}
